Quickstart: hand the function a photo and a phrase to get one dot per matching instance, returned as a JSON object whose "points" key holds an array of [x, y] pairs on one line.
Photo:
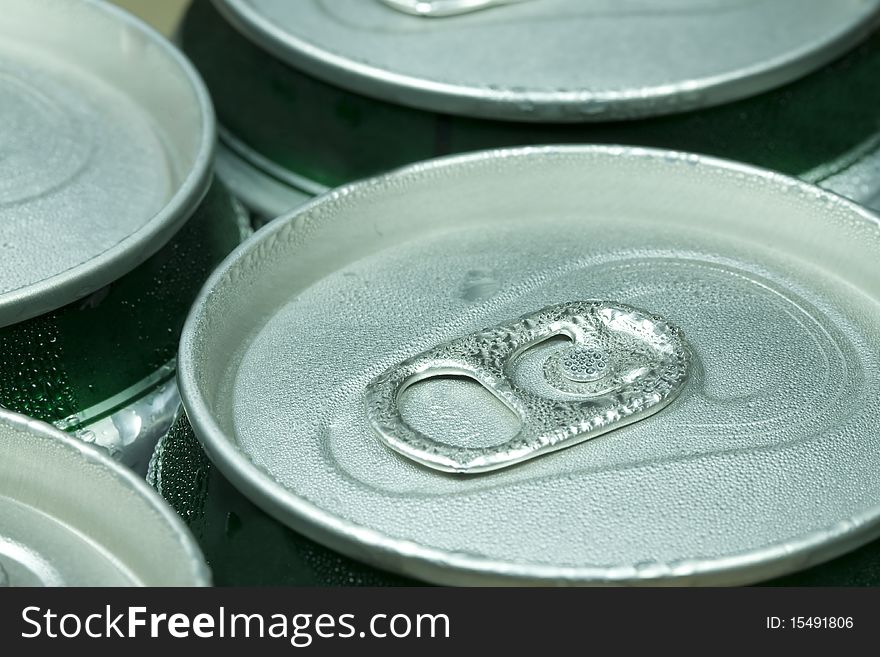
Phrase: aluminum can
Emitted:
{"points": [[109, 219], [301, 111], [553, 365], [72, 516]]}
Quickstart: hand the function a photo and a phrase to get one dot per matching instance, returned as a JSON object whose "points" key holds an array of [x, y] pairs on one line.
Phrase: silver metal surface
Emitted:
{"points": [[442, 8], [106, 140], [765, 463], [622, 366], [558, 60], [70, 516], [264, 188]]}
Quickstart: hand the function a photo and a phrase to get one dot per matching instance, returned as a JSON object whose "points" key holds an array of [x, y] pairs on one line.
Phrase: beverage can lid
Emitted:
{"points": [[74, 517], [554, 364], [105, 149]]}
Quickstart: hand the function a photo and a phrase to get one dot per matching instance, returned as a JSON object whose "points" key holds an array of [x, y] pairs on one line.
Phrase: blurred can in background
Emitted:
{"points": [[311, 94], [110, 220]]}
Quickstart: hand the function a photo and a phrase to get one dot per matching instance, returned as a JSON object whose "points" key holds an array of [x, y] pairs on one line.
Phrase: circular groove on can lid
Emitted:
{"points": [[74, 517], [106, 141], [558, 60], [773, 282]]}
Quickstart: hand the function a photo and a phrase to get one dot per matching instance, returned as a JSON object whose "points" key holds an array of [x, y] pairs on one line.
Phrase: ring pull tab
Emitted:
{"points": [[442, 8], [623, 365]]}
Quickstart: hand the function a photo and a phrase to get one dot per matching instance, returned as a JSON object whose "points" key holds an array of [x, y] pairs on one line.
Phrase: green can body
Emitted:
{"points": [[84, 361], [817, 127]]}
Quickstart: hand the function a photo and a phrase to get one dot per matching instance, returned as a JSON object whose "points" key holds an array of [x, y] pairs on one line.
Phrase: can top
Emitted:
{"points": [[74, 517], [557, 60], [350, 354], [106, 140]]}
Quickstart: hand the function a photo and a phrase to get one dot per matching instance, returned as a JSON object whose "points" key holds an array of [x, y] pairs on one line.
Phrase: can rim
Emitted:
{"points": [[60, 289], [248, 157], [410, 558], [264, 187], [561, 105], [200, 573]]}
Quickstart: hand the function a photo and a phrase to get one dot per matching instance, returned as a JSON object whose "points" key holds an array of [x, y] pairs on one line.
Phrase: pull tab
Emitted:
{"points": [[441, 8], [622, 366]]}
